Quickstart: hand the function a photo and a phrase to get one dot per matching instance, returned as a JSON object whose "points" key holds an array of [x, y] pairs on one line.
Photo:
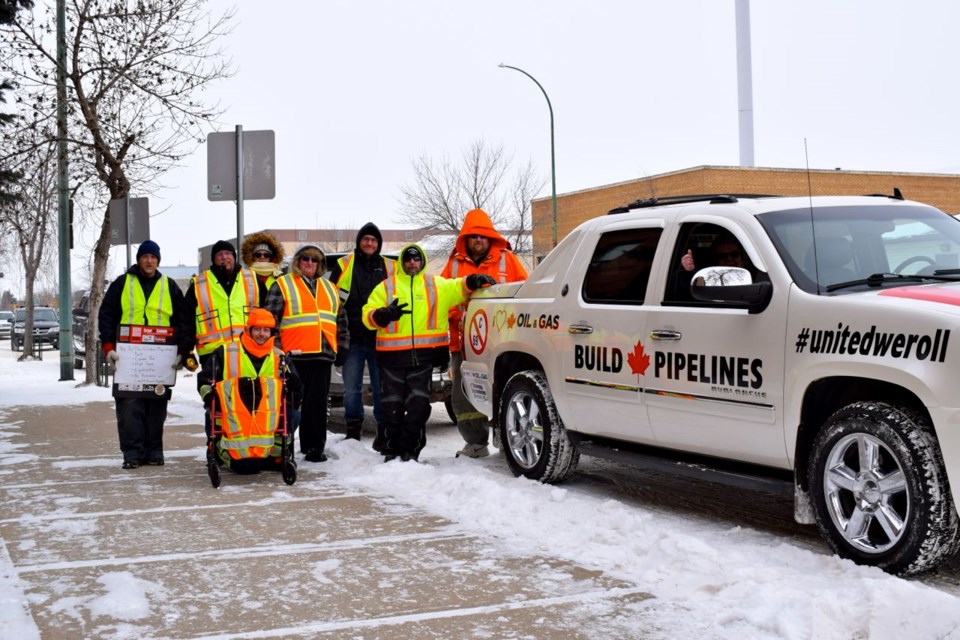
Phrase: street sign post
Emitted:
{"points": [[129, 224]]}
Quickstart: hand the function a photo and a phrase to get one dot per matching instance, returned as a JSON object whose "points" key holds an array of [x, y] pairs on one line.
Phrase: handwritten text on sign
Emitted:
{"points": [[146, 357]]}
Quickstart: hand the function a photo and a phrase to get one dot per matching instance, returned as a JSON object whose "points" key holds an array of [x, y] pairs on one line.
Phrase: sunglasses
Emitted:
{"points": [[262, 254], [477, 236], [309, 259]]}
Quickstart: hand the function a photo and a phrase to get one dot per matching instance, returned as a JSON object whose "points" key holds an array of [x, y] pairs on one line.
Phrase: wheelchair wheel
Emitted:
{"points": [[289, 471], [213, 470]]}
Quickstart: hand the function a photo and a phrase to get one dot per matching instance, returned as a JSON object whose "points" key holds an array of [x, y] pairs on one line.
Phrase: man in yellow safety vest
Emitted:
{"points": [[409, 312], [216, 305], [141, 296]]}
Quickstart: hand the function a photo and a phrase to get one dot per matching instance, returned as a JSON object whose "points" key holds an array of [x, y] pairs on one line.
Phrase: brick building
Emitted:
{"points": [[939, 190]]}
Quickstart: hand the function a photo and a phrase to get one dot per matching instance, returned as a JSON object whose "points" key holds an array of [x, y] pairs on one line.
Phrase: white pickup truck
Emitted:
{"points": [[785, 344]]}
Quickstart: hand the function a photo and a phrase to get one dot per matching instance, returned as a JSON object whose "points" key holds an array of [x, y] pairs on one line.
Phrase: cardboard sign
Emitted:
{"points": [[145, 364]]}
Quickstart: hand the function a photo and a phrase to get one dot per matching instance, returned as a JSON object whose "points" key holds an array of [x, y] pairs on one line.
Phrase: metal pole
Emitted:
{"points": [[239, 186], [553, 155], [744, 83], [129, 216], [63, 200]]}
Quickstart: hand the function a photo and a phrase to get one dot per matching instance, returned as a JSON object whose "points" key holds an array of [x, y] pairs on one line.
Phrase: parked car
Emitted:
{"points": [[46, 327], [6, 324], [441, 389], [80, 314]]}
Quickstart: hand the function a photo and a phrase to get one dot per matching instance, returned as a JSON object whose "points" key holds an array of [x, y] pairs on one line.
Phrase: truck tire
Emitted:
{"points": [[448, 405], [533, 438], [879, 488]]}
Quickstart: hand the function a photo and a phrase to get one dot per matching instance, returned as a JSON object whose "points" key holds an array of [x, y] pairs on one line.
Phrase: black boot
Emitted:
{"points": [[380, 439], [354, 429]]}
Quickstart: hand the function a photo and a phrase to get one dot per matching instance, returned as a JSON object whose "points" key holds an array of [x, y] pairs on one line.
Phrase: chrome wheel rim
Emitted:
{"points": [[524, 429], [866, 493]]}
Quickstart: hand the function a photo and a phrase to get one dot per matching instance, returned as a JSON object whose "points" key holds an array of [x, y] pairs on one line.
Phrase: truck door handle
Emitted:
{"points": [[665, 334], [580, 328]]}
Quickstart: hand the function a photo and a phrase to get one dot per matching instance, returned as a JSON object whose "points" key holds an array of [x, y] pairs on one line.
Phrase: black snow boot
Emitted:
{"points": [[354, 429]]}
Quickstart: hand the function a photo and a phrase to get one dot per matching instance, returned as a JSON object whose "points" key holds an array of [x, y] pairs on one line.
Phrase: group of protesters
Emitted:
{"points": [[254, 318]]}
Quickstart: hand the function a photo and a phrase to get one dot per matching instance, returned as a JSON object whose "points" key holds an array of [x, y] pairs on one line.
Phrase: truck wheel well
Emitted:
{"points": [[508, 363], [826, 396]]}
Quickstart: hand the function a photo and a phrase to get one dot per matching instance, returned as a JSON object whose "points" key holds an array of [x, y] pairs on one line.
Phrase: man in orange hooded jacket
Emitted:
{"points": [[479, 249]]}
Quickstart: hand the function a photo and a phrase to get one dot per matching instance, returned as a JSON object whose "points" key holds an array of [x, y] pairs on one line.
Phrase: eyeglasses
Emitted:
{"points": [[262, 254], [309, 259], [477, 236]]}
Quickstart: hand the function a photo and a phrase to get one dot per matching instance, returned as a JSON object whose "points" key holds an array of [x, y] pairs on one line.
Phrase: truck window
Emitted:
{"points": [[620, 266], [708, 245]]}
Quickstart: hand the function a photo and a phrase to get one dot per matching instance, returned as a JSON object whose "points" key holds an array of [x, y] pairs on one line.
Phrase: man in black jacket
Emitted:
{"points": [[357, 274], [141, 296], [215, 306]]}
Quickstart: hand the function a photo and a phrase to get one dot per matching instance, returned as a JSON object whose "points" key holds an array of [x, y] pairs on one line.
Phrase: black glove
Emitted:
{"points": [[385, 315], [381, 316], [341, 357], [477, 280], [396, 310]]}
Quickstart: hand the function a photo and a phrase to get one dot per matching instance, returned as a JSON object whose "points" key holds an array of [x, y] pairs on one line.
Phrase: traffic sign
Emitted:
{"points": [[259, 165]]}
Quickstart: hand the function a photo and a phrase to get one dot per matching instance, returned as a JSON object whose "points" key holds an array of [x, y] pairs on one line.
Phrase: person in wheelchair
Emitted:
{"points": [[244, 390]]}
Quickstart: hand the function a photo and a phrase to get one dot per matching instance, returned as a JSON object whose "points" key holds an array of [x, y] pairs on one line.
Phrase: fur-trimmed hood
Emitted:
{"points": [[255, 239]]}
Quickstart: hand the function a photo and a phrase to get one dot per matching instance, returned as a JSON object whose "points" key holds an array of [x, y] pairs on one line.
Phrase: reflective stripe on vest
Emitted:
{"points": [[346, 276], [246, 434], [307, 317], [136, 309], [221, 319], [237, 363], [389, 338]]}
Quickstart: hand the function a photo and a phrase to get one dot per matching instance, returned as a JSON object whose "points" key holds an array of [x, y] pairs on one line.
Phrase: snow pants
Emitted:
{"points": [[406, 408]]}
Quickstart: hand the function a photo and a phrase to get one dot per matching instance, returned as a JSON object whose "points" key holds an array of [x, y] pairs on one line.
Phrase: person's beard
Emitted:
{"points": [[221, 273]]}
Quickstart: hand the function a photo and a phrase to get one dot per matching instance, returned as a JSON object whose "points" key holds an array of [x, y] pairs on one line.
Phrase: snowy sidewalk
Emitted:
{"points": [[98, 552]]}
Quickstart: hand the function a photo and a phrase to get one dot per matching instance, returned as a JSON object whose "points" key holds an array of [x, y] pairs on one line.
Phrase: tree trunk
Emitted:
{"points": [[101, 252]]}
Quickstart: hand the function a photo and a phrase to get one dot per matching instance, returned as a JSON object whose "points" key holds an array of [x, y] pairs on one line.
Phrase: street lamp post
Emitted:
{"points": [[553, 157]]}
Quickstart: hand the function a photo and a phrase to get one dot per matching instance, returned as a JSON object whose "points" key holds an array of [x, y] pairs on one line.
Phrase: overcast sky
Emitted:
{"points": [[356, 89]]}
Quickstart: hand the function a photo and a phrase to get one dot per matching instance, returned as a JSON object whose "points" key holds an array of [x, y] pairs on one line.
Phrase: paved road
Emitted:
{"points": [[92, 551]]}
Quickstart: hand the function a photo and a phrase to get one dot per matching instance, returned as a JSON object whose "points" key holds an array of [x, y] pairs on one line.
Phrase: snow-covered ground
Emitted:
{"points": [[735, 581]]}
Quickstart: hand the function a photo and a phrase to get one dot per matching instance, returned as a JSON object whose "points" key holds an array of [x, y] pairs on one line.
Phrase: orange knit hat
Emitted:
{"points": [[261, 318]]}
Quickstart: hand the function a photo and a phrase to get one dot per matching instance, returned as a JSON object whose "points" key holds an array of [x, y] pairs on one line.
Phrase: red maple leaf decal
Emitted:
{"points": [[512, 320], [638, 360]]}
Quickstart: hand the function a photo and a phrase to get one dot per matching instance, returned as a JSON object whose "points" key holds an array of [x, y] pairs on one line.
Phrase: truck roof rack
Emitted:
{"points": [[896, 195], [713, 198]]}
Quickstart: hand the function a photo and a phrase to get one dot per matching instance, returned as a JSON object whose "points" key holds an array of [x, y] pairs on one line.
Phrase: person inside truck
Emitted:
{"points": [[725, 251]]}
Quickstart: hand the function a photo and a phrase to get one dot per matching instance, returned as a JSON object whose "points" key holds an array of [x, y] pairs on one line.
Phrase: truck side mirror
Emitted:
{"points": [[731, 285]]}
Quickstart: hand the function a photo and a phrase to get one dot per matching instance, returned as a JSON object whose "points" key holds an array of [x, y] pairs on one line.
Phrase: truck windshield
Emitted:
{"points": [[825, 246]]}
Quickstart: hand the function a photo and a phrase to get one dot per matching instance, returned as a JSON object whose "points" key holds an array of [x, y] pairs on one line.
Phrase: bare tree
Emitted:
{"points": [[485, 178], [135, 69], [27, 220], [8, 10], [524, 188]]}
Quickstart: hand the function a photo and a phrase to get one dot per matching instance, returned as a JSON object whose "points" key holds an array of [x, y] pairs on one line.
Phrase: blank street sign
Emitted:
{"points": [[259, 165], [139, 212]]}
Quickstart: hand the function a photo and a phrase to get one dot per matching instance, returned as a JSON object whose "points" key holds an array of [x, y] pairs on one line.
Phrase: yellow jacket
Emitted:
{"points": [[428, 299]]}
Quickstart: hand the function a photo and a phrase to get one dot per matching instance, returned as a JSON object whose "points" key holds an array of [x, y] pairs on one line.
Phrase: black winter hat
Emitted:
{"points": [[412, 252], [222, 245], [149, 247], [370, 229]]}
